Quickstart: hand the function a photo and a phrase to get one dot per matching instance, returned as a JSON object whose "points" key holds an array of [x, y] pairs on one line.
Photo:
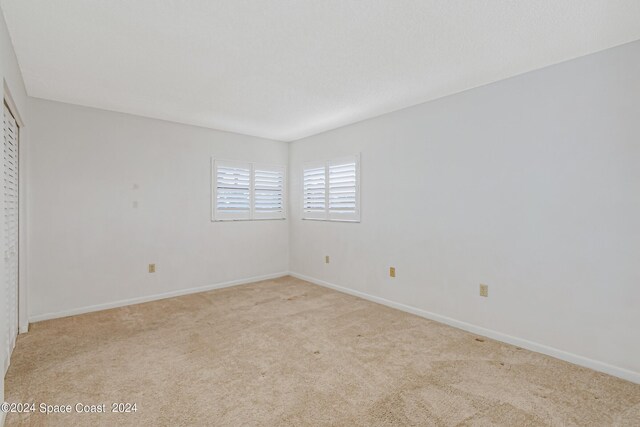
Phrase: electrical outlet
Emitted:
{"points": [[484, 290], [392, 272], [152, 268], [326, 259]]}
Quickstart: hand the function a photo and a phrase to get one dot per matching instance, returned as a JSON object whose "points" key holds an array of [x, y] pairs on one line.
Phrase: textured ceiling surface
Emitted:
{"points": [[285, 69]]}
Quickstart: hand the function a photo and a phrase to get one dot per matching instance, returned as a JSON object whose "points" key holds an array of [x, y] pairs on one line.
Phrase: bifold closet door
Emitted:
{"points": [[11, 216]]}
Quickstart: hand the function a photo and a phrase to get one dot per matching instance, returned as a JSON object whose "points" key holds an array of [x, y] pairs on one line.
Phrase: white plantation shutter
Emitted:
{"points": [[331, 190], [343, 189], [245, 191], [269, 184], [314, 191], [232, 198], [10, 159]]}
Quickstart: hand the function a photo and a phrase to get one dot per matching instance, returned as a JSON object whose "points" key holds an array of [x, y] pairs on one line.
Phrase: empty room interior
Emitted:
{"points": [[320, 213]]}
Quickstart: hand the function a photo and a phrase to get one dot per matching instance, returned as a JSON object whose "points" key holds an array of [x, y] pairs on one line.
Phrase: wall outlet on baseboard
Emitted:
{"points": [[484, 290], [152, 268], [326, 259], [392, 272]]}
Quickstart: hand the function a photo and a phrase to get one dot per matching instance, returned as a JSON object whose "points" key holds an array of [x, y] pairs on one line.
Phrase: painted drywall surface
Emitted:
{"points": [[530, 185], [12, 80], [111, 193]]}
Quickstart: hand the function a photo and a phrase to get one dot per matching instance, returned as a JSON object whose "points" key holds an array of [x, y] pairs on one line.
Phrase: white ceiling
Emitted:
{"points": [[285, 69]]}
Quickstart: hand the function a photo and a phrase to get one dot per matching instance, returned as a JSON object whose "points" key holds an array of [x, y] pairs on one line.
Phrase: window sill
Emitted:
{"points": [[248, 220], [331, 220]]}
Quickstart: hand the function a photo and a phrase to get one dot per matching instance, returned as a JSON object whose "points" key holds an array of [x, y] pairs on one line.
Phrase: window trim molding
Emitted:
{"points": [[327, 215], [252, 166]]}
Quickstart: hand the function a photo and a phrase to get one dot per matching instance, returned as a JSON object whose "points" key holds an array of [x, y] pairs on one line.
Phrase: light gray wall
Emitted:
{"points": [[90, 246], [530, 185]]}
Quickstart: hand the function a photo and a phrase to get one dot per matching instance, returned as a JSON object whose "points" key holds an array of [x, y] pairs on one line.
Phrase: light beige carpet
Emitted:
{"points": [[285, 352]]}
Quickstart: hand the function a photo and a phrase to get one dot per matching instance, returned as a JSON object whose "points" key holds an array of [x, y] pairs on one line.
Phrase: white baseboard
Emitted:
{"points": [[498, 336], [147, 298]]}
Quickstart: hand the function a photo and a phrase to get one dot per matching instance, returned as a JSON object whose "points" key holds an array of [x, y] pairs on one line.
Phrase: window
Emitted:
{"points": [[268, 192], [331, 190], [246, 191], [314, 191]]}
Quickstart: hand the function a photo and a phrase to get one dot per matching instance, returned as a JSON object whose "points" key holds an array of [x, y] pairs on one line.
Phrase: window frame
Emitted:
{"points": [[252, 215], [327, 214]]}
